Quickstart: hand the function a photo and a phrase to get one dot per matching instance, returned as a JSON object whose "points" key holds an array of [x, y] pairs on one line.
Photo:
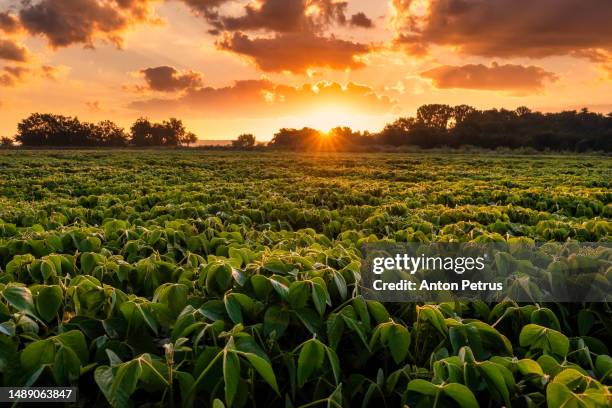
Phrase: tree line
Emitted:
{"points": [[438, 125], [44, 129], [435, 125]]}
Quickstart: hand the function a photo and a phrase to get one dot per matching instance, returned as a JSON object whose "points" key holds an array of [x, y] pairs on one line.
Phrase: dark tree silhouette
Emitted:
{"points": [[168, 133], [6, 141], [244, 141]]}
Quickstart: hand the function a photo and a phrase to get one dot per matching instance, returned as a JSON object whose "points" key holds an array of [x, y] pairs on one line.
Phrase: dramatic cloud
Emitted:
{"points": [[263, 98], [295, 52], [64, 23], [169, 79], [505, 28], [361, 20], [12, 51], [282, 16], [8, 22], [509, 77], [10, 76]]}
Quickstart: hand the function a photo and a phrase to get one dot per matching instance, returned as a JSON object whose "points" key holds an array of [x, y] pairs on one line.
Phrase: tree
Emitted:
{"points": [[435, 115], [141, 133], [295, 138], [6, 141], [168, 133], [189, 138], [172, 132], [107, 133], [244, 141], [53, 130]]}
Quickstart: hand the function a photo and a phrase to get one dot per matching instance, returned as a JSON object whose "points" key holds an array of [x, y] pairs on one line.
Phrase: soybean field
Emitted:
{"points": [[184, 278]]}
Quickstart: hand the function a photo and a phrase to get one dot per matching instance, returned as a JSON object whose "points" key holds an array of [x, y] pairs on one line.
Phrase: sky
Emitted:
{"points": [[227, 67]]}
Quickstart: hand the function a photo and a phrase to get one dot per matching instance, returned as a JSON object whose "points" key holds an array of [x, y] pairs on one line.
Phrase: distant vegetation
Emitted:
{"points": [[435, 125], [456, 126], [58, 131]]}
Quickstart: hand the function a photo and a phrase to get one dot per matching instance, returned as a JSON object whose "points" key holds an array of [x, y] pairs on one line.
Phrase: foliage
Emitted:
{"points": [[230, 280], [61, 131], [244, 141]]}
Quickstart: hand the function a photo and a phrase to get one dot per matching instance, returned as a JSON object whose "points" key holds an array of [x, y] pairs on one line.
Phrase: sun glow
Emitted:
{"points": [[328, 117]]}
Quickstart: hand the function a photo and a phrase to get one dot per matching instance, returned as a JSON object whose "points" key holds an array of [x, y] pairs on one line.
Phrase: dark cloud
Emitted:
{"points": [[509, 77], [263, 98], [64, 22], [361, 20], [169, 79], [8, 22], [281, 16], [507, 28], [10, 76], [49, 72], [295, 52], [12, 51]]}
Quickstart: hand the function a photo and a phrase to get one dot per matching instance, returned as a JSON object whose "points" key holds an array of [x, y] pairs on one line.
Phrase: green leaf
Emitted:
{"points": [[543, 338], [232, 306], [398, 339], [529, 367], [48, 302], [231, 375], [298, 294], [319, 297], [263, 368], [423, 387], [276, 320], [461, 394], [20, 298], [66, 367], [378, 311], [310, 359], [495, 380]]}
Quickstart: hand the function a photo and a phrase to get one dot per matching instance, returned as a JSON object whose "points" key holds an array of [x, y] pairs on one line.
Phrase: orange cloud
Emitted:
{"points": [[295, 52], [507, 77], [169, 79], [505, 28], [63, 23], [10, 76], [11, 51], [8, 22], [263, 98]]}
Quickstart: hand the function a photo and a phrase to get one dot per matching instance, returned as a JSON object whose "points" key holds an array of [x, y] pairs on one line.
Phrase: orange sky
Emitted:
{"points": [[231, 66]]}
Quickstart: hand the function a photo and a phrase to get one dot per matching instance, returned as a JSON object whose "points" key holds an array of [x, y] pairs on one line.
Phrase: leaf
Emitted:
{"points": [[310, 359], [423, 387], [495, 380], [75, 340], [319, 297], [276, 320], [48, 302], [334, 362], [298, 294], [310, 319], [461, 394], [66, 367], [20, 298], [335, 328], [263, 368], [232, 306], [529, 367], [543, 338], [398, 339], [378, 311], [231, 375]]}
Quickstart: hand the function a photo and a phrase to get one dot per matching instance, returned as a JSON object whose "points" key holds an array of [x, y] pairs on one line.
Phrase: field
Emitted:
{"points": [[229, 279]]}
